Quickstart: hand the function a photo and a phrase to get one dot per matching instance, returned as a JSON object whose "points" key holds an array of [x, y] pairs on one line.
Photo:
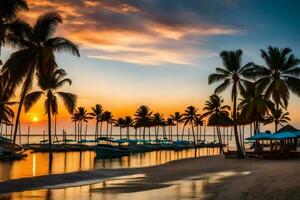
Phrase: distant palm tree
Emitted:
{"points": [[157, 121], [75, 119], [50, 83], [218, 115], [277, 115], [198, 122], [82, 115], [9, 22], [170, 123], [97, 112], [108, 118], [232, 73], [143, 118], [128, 122], [189, 117], [37, 54], [177, 117], [253, 106], [120, 122], [279, 76]]}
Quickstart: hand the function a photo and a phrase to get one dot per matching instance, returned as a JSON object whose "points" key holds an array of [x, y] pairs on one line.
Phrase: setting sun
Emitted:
{"points": [[35, 119]]}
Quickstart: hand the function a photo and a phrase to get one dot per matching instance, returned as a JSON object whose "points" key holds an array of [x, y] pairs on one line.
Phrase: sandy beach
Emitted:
{"points": [[241, 179]]}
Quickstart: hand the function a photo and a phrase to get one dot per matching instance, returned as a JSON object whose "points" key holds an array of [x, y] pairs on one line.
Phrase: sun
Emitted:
{"points": [[35, 119]]}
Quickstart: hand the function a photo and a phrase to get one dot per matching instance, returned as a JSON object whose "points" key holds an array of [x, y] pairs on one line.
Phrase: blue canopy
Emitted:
{"points": [[282, 136], [260, 136]]}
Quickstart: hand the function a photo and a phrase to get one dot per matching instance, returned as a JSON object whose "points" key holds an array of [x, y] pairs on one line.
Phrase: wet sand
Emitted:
{"points": [[246, 179]]}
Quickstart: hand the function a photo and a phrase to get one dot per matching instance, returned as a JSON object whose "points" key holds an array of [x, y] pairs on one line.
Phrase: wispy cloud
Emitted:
{"points": [[144, 32]]}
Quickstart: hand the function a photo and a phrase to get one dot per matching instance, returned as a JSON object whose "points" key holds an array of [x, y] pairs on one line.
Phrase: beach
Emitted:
{"points": [[228, 178]]}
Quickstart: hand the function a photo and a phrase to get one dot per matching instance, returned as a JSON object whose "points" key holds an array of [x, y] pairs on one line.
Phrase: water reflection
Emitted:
{"points": [[37, 164], [132, 187]]}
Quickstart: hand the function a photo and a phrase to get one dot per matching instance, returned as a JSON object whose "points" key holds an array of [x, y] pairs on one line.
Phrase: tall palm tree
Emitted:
{"points": [[37, 54], [157, 121], [218, 115], [253, 105], [279, 116], [108, 118], [9, 22], [120, 122], [280, 76], [82, 115], [143, 117], [177, 117], [232, 73], [128, 122], [50, 83], [189, 117], [97, 112]]}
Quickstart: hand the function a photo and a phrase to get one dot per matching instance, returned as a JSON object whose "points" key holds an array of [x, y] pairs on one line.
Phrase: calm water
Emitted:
{"points": [[131, 187], [37, 164]]}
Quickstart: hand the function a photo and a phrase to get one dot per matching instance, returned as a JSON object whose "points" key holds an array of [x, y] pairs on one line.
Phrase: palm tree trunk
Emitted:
{"points": [[182, 132], [49, 124], [194, 136], [120, 132], [111, 126], [144, 133], [177, 131], [18, 118], [220, 139], [240, 153], [107, 129]]}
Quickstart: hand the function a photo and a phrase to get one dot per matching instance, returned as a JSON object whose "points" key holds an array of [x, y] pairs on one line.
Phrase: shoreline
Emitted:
{"points": [[259, 180]]}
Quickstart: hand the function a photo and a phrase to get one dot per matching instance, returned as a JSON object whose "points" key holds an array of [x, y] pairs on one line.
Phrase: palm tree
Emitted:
{"points": [[143, 118], [37, 54], [198, 122], [189, 117], [177, 117], [232, 73], [128, 122], [82, 115], [75, 119], [279, 76], [277, 115], [254, 105], [50, 83], [157, 120], [9, 24], [120, 122], [170, 123], [6, 112], [97, 112], [108, 118], [218, 115]]}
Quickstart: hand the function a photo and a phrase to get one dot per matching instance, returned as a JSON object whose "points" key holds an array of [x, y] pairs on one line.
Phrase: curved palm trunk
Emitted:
{"points": [[240, 152], [25, 88], [120, 132]]}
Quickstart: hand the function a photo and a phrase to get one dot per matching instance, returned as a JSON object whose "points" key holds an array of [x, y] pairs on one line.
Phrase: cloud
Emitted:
{"points": [[138, 31]]}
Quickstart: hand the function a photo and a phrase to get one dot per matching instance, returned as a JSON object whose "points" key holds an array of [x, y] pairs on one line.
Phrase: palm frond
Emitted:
{"points": [[31, 99], [69, 100]]}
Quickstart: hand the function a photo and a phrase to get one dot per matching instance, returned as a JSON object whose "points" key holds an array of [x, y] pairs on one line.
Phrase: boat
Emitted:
{"points": [[103, 152], [110, 148]]}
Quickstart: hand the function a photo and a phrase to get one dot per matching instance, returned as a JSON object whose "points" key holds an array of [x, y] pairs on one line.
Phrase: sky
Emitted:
{"points": [[160, 52]]}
